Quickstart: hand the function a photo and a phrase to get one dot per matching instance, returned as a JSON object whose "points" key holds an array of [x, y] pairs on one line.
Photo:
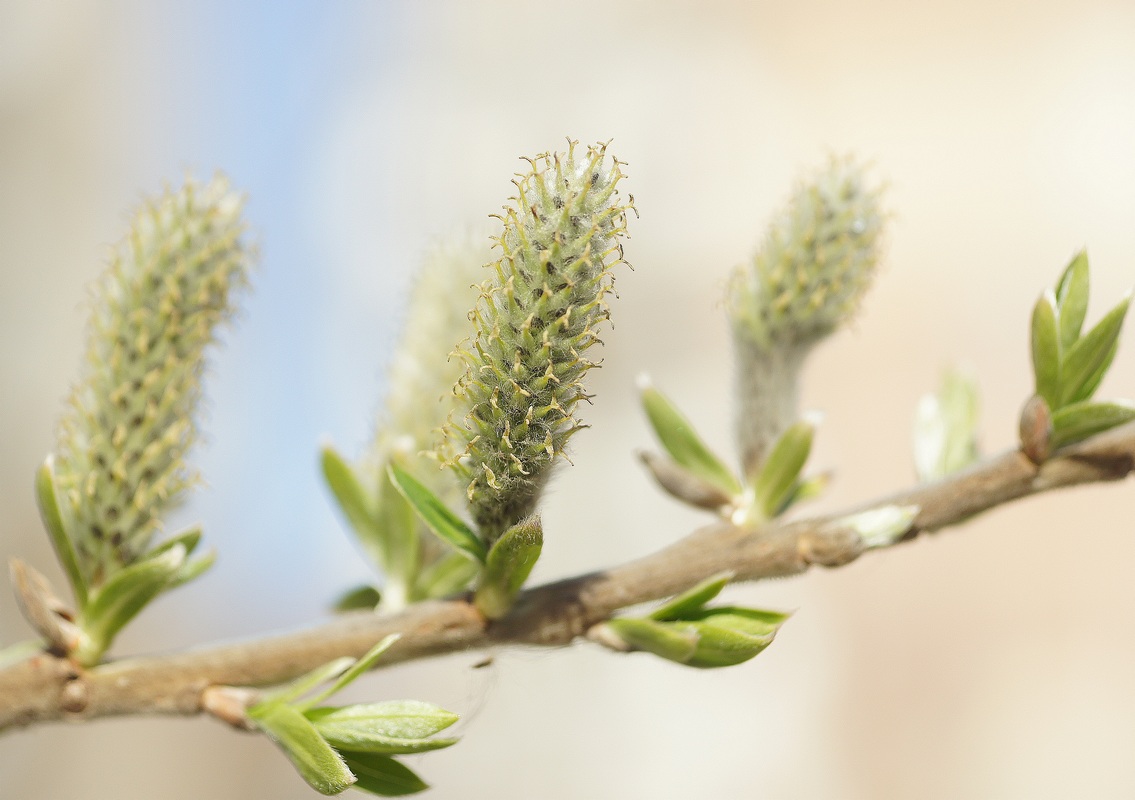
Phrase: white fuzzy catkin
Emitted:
{"points": [[129, 422]]}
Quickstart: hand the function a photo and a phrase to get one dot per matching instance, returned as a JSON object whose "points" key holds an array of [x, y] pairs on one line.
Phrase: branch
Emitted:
{"points": [[46, 687]]}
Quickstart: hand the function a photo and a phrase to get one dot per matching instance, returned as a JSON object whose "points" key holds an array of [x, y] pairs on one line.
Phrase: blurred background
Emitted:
{"points": [[990, 661]]}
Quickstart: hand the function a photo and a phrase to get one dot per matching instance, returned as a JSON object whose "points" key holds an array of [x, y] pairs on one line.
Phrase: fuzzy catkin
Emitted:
{"points": [[120, 458], [534, 321], [817, 260]]}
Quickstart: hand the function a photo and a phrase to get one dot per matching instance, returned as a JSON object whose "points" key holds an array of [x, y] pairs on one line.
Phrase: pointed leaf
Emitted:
{"points": [[194, 569], [507, 567], [307, 682], [383, 776], [664, 639], [398, 527], [314, 759], [1072, 299], [1084, 359], [355, 502], [778, 475], [436, 515], [1079, 421], [189, 539], [806, 489], [693, 599], [448, 575], [1045, 340], [682, 442], [47, 497], [396, 728], [1095, 379], [723, 646], [127, 592], [357, 599], [353, 672]]}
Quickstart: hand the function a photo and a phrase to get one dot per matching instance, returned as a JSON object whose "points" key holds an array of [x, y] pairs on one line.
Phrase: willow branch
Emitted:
{"points": [[46, 687]]}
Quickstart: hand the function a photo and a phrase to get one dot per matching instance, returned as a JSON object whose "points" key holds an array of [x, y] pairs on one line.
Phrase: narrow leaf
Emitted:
{"points": [[680, 483], [806, 489], [1045, 340], [354, 671], [122, 597], [354, 501], [778, 475], [664, 639], [397, 527], [383, 776], [693, 599], [305, 683], [1080, 420], [448, 575], [1072, 299], [682, 442], [49, 509], [383, 727], [436, 515], [314, 759], [1084, 359], [357, 599], [1093, 382], [189, 539], [194, 569], [507, 567]]}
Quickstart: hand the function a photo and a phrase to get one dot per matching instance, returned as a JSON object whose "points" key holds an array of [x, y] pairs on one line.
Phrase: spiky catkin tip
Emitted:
{"points": [[817, 259], [534, 321], [120, 459]]}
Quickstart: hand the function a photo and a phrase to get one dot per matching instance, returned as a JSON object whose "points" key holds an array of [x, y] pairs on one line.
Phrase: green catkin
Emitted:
{"points": [[534, 321], [120, 459], [817, 260]]}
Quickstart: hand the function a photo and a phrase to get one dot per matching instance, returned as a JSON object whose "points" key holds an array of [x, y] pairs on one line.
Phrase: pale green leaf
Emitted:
{"points": [[664, 639], [436, 514], [507, 567], [693, 599], [1084, 359], [395, 728], [1072, 299], [1045, 339], [779, 473], [48, 499], [448, 575], [314, 759], [682, 442], [1080, 420], [353, 672]]}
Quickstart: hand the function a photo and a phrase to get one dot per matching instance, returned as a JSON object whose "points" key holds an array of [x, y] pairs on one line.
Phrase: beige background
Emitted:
{"points": [[992, 661]]}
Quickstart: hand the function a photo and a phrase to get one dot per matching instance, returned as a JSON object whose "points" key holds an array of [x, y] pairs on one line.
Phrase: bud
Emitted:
{"points": [[120, 460], [535, 319]]}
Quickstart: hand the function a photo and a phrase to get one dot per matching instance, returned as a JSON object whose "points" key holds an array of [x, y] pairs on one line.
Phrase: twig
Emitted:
{"points": [[45, 687]]}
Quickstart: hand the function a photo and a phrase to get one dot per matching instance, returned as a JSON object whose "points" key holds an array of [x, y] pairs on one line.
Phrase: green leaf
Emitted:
{"points": [[722, 646], [318, 764], [778, 475], [1094, 381], [189, 539], [1085, 358], [750, 621], [448, 575], [354, 671], [307, 682], [806, 489], [394, 728], [194, 569], [682, 442], [357, 505], [398, 532], [693, 599], [1046, 350], [1072, 299], [1080, 420], [436, 515], [945, 429], [47, 497], [507, 567], [664, 639], [382, 775], [357, 599], [127, 592]]}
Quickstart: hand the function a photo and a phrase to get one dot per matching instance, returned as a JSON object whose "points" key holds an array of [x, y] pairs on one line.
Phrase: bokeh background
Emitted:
{"points": [[991, 661]]}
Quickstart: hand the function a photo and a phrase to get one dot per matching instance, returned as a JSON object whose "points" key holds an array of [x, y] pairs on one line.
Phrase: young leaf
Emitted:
{"points": [[945, 429], [1084, 359], [448, 575], [436, 515], [1096, 378], [680, 483], [353, 672], [883, 526], [682, 442], [354, 501], [125, 594], [314, 759], [805, 489], [305, 683], [189, 539], [375, 728], [723, 646], [664, 639], [778, 475], [1072, 299], [693, 599], [1045, 340], [357, 599], [397, 527], [382, 775], [508, 565], [193, 569], [1081, 420], [49, 509]]}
